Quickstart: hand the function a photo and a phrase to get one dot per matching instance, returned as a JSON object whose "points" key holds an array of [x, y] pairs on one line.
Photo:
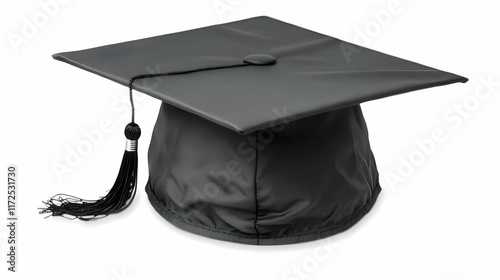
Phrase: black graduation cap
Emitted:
{"points": [[260, 138]]}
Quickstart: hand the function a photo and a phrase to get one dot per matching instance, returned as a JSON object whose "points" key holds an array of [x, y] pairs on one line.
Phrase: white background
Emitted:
{"points": [[440, 221]]}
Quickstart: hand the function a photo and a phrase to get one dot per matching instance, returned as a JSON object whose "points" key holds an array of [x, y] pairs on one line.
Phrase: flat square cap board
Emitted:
{"points": [[313, 73], [260, 138]]}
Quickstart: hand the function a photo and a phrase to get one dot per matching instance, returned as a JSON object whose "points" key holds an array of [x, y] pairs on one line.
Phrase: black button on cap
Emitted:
{"points": [[259, 59]]}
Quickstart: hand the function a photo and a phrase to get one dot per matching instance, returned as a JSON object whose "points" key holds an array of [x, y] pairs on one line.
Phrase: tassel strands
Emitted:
{"points": [[118, 198]]}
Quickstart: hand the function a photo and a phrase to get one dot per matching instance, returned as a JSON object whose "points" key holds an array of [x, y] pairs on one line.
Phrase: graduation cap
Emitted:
{"points": [[260, 138]]}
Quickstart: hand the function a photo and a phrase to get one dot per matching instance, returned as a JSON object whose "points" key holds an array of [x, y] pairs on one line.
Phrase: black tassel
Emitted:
{"points": [[123, 191], [117, 199]]}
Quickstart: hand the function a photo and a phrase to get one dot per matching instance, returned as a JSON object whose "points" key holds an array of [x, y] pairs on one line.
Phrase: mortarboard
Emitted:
{"points": [[260, 138]]}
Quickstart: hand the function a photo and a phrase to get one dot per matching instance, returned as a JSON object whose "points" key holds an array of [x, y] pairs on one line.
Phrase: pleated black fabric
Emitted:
{"points": [[294, 182]]}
